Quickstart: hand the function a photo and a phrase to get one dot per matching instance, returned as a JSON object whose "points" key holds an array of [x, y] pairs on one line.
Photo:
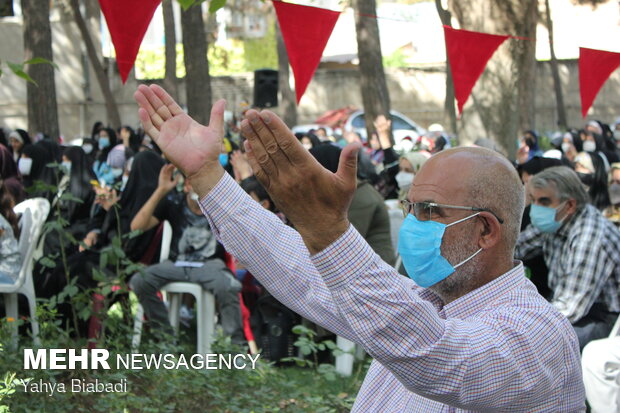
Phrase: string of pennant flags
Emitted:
{"points": [[468, 52]]}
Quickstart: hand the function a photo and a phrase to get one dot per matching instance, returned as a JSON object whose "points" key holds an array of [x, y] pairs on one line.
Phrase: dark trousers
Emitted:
{"points": [[214, 276], [594, 325]]}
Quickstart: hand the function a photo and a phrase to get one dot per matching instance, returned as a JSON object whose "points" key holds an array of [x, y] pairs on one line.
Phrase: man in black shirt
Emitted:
{"points": [[195, 256]]}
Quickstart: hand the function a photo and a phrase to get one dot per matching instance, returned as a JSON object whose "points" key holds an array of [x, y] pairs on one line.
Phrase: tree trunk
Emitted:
{"points": [[375, 96], [557, 82], [197, 79], [287, 95], [450, 110], [524, 52], [170, 80], [114, 118], [42, 106]]}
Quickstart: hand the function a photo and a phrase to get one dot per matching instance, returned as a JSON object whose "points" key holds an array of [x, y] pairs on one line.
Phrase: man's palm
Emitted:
{"points": [[188, 144]]}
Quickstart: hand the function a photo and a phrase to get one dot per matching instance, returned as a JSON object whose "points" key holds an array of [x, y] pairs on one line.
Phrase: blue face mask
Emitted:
{"points": [[66, 167], [104, 142], [419, 245], [224, 159], [543, 218]]}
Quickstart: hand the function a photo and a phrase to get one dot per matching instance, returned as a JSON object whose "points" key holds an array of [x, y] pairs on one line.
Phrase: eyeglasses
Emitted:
{"points": [[425, 211]]}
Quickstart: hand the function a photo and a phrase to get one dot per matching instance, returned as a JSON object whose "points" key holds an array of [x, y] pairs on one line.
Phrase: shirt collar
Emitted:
{"points": [[474, 301], [568, 226]]}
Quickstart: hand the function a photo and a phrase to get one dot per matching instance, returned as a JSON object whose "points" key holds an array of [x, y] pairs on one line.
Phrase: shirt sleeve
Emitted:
{"points": [[490, 363], [273, 252], [529, 243], [585, 268]]}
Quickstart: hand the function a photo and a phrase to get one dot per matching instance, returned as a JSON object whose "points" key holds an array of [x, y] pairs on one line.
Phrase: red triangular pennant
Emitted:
{"points": [[305, 30], [468, 53], [595, 66], [127, 23]]}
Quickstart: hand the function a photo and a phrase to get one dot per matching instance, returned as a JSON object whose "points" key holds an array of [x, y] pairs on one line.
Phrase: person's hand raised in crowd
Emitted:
{"points": [[315, 200], [106, 197], [88, 241], [241, 166], [523, 152], [165, 182], [383, 126], [190, 146]]}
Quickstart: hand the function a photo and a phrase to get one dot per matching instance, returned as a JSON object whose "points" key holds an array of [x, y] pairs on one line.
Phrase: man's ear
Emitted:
{"points": [[491, 230], [571, 207]]}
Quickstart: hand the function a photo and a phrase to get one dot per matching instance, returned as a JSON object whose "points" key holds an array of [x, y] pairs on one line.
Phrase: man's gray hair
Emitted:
{"points": [[565, 182]]}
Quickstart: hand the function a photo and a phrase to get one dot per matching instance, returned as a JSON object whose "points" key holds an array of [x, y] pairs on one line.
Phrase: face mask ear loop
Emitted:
{"points": [[462, 219], [470, 257]]}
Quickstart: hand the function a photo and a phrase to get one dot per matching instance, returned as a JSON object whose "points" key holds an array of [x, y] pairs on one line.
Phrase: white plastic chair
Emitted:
{"points": [[205, 303], [34, 213]]}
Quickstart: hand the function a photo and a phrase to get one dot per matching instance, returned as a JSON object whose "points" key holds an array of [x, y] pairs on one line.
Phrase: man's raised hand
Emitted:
{"points": [[190, 146], [315, 200]]}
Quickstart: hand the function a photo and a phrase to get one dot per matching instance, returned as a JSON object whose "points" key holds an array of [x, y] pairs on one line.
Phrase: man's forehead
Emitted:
{"points": [[440, 182]]}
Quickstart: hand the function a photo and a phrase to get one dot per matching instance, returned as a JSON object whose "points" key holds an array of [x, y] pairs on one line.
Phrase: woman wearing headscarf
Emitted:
{"points": [[590, 168], [105, 143], [10, 257], [19, 139], [75, 180], [33, 167], [10, 175]]}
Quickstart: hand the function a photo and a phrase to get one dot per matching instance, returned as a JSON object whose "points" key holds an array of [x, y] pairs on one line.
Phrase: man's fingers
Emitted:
{"points": [[256, 168], [285, 139], [141, 96], [149, 128], [167, 100], [216, 121], [259, 152], [347, 165]]}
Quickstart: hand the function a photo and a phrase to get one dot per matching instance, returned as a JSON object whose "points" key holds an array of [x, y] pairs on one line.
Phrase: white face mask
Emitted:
{"points": [[404, 179], [589, 146], [124, 180], [88, 148], [566, 147], [308, 146], [617, 135], [25, 165]]}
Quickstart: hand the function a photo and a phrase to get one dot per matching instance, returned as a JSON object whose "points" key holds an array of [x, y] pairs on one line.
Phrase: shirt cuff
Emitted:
{"points": [[344, 260], [224, 200]]}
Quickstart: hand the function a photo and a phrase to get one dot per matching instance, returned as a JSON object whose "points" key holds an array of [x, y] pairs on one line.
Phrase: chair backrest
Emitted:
{"points": [[34, 214], [615, 329], [166, 240]]}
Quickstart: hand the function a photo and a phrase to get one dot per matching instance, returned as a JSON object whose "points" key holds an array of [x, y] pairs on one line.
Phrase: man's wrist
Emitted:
{"points": [[206, 178], [317, 240]]}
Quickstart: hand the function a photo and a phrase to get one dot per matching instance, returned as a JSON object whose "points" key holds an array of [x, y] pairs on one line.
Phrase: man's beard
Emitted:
{"points": [[463, 279]]}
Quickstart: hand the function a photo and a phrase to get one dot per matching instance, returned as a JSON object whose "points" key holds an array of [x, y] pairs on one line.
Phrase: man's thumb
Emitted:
{"points": [[347, 165]]}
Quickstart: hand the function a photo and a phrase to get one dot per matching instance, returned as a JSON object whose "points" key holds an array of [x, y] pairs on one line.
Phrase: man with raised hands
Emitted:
{"points": [[467, 332]]}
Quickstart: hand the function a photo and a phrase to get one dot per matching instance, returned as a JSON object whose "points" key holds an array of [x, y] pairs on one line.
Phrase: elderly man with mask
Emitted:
{"points": [[581, 249], [471, 333]]}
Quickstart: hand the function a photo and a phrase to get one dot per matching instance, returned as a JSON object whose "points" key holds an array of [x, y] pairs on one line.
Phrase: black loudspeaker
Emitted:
{"points": [[265, 88]]}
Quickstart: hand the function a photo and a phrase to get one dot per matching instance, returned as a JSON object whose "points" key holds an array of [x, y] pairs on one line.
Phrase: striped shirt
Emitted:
{"points": [[501, 347], [583, 258]]}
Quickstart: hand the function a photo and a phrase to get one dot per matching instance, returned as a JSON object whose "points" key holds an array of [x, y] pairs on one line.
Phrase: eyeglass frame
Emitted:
{"points": [[409, 206]]}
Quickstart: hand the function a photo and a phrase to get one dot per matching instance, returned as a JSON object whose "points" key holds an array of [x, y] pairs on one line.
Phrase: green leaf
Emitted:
{"points": [[215, 5], [19, 71], [39, 60], [68, 196], [46, 262], [186, 4]]}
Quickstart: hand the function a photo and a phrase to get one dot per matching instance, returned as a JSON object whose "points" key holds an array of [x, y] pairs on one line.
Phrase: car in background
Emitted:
{"points": [[312, 126], [403, 129]]}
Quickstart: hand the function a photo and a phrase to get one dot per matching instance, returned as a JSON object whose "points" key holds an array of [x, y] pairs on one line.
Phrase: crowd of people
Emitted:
{"points": [[568, 237]]}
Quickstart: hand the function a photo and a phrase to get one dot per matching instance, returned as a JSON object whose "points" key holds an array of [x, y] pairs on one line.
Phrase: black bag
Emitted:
{"points": [[272, 325]]}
